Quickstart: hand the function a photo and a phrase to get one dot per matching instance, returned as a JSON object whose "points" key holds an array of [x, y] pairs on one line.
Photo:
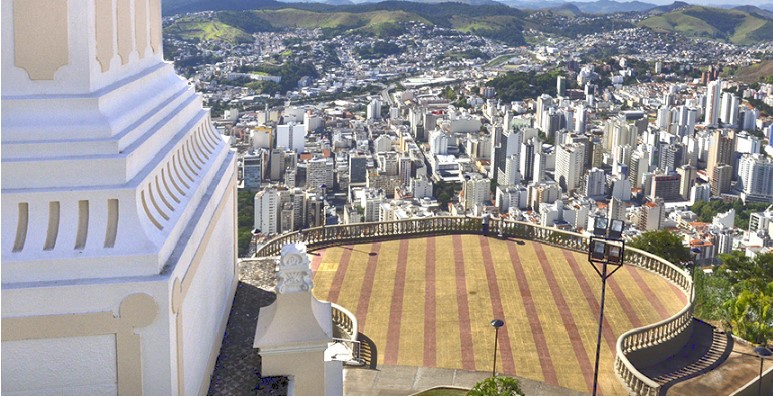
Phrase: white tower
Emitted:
{"points": [[118, 195]]}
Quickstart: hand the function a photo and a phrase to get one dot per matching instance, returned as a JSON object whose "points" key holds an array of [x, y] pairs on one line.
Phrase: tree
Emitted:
{"points": [[750, 315], [745, 272], [664, 244], [497, 386]]}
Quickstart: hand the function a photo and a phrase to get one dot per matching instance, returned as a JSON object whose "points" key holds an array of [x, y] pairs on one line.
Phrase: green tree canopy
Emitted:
{"points": [[750, 315], [497, 386], [749, 273], [664, 244]]}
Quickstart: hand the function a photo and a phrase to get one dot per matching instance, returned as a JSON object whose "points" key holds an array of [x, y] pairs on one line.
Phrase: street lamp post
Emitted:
{"points": [[762, 352], [606, 248], [496, 323]]}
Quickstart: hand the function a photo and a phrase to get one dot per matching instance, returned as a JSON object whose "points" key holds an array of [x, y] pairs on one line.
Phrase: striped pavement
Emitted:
{"points": [[428, 302]]}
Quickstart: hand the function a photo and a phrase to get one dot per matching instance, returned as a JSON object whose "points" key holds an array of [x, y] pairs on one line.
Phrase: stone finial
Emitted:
{"points": [[294, 272]]}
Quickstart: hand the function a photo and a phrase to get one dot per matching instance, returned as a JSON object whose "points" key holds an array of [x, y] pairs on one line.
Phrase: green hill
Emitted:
{"points": [[381, 19], [736, 26]]}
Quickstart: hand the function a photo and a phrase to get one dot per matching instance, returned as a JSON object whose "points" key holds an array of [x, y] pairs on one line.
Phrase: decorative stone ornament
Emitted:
{"points": [[294, 271]]}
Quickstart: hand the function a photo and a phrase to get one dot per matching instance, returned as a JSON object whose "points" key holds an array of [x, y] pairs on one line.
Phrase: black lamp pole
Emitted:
{"points": [[496, 323], [762, 352], [601, 251]]}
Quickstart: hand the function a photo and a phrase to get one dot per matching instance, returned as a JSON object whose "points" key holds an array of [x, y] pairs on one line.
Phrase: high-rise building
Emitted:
{"points": [[651, 214], [475, 190], [509, 148], [755, 177], [114, 182], [291, 136], [374, 109], [511, 197], [320, 171], [728, 112], [358, 166], [544, 102], [713, 96], [721, 150], [720, 179], [252, 168], [667, 187], [688, 174], [529, 149], [561, 85], [595, 183], [616, 209], [569, 164], [266, 206]]}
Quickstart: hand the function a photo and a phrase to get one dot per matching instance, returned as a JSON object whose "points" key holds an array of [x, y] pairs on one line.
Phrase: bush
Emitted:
{"points": [[497, 386]]}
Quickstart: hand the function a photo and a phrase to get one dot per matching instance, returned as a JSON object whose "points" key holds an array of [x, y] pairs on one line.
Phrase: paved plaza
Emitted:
{"points": [[428, 302]]}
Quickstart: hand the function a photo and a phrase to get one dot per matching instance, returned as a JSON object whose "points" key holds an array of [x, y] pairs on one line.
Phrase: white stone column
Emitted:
{"points": [[293, 332]]}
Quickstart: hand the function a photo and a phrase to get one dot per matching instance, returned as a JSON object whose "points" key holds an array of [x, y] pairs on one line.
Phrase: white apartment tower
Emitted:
{"points": [[713, 95], [569, 163], [291, 136], [266, 205], [755, 177], [118, 197], [476, 190]]}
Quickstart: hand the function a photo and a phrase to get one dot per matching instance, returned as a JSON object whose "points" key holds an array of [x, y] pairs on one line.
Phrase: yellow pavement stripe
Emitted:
{"points": [[522, 343], [449, 354], [479, 303], [412, 322], [377, 322], [323, 277]]}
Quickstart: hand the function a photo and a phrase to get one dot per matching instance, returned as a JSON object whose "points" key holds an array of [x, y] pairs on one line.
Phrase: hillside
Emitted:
{"points": [[382, 19], [736, 26], [611, 6], [754, 73]]}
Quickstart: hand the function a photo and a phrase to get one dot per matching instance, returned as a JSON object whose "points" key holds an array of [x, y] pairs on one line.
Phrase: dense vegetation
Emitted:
{"points": [[739, 295], [664, 244], [245, 220], [516, 86], [379, 49], [706, 210], [290, 73], [736, 26], [497, 386]]}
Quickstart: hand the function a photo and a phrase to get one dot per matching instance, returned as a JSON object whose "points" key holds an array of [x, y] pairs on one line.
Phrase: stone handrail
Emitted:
{"points": [[671, 330], [344, 323]]}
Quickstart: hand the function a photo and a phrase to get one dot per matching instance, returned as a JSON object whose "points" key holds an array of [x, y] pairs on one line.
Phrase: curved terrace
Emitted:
{"points": [[427, 302], [425, 290]]}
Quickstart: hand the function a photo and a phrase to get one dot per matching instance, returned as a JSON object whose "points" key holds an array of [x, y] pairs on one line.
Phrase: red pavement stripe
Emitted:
{"points": [[338, 279], [590, 297], [625, 303], [506, 352], [367, 286], [316, 260], [645, 288], [392, 345], [566, 316], [430, 327], [546, 363], [465, 328]]}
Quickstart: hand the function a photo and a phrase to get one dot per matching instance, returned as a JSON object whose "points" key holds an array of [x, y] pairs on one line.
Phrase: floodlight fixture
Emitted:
{"points": [[600, 226], [616, 229], [598, 249]]}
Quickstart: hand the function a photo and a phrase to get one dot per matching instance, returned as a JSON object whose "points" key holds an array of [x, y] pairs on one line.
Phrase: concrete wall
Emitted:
{"points": [[751, 388], [657, 353]]}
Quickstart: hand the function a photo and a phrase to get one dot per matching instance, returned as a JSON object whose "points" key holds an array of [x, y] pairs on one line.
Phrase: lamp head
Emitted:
{"points": [[496, 323], [600, 226], [763, 351]]}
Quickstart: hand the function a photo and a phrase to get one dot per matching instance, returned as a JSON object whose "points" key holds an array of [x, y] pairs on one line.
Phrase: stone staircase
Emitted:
{"points": [[707, 349]]}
